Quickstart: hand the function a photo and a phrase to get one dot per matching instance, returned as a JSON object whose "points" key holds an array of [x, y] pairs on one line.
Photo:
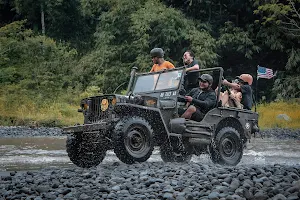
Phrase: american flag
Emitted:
{"points": [[263, 72]]}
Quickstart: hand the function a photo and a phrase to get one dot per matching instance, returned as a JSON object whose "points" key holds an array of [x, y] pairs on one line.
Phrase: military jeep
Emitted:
{"points": [[147, 116]]}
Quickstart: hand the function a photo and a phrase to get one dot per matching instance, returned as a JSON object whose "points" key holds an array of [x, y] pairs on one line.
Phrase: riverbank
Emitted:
{"points": [[24, 131]]}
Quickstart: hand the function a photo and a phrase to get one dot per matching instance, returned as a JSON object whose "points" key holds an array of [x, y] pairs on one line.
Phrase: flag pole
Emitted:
{"points": [[256, 88]]}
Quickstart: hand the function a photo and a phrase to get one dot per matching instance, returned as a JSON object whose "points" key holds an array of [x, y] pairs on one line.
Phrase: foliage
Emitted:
{"points": [[126, 33], [90, 46], [35, 63], [280, 30]]}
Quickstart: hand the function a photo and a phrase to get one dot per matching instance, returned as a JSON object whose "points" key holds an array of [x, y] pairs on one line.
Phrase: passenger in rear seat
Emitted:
{"points": [[231, 98], [244, 82]]}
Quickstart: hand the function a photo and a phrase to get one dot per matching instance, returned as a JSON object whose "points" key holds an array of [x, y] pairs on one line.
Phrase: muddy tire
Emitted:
{"points": [[83, 153], [168, 155], [133, 140], [228, 147]]}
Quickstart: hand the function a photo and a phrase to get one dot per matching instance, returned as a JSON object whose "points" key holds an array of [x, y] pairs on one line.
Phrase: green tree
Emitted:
{"points": [[126, 33], [36, 63], [280, 27]]}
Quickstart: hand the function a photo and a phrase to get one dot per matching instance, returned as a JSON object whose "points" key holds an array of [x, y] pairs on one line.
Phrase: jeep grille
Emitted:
{"points": [[95, 112]]}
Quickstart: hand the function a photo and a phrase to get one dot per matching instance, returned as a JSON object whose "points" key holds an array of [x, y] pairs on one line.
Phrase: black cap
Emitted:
{"points": [[206, 77]]}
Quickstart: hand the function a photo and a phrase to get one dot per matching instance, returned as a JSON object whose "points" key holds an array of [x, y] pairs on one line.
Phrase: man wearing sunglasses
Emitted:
{"points": [[200, 100], [159, 63]]}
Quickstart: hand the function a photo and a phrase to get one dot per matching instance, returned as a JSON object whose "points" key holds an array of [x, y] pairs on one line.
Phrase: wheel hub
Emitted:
{"points": [[136, 140], [228, 147]]}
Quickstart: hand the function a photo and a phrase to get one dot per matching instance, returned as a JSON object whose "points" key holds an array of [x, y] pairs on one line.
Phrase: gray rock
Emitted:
{"points": [[42, 189], [260, 196], [228, 179], [116, 188], [234, 184], [84, 197], [168, 196], [6, 178], [65, 191], [237, 197], [214, 196], [279, 197], [49, 196], [25, 190], [293, 197], [283, 117]]}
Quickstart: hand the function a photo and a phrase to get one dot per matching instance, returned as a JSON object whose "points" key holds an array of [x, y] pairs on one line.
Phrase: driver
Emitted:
{"points": [[200, 100], [159, 64]]}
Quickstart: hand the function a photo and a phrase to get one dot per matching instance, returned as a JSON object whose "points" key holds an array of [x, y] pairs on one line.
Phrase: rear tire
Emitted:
{"points": [[229, 147], [133, 140], [84, 153]]}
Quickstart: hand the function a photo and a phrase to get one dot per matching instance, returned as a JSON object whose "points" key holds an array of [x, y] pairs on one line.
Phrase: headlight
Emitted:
{"points": [[85, 106], [104, 104], [114, 101]]}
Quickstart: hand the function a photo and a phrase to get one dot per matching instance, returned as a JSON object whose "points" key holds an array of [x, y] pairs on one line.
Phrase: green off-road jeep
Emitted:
{"points": [[133, 124]]}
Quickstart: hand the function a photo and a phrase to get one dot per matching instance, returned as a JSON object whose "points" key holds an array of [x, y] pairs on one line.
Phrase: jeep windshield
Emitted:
{"points": [[154, 82]]}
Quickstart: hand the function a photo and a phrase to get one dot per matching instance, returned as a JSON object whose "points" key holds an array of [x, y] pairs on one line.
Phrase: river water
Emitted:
{"points": [[41, 152]]}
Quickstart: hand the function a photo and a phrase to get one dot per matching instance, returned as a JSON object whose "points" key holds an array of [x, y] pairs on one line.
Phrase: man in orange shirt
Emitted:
{"points": [[157, 55]]}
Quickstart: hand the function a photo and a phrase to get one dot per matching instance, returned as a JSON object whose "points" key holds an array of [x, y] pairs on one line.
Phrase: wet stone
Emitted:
{"points": [[234, 184], [42, 189], [261, 196], [213, 196], [84, 197], [49, 196], [25, 190], [65, 191], [6, 178], [228, 180], [279, 197], [168, 196]]}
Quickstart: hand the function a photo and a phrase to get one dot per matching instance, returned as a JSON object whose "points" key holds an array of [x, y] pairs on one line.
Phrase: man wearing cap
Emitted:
{"points": [[200, 100], [244, 82], [159, 63]]}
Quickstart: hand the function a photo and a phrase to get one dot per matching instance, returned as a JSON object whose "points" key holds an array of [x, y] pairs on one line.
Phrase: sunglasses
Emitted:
{"points": [[203, 81], [236, 81]]}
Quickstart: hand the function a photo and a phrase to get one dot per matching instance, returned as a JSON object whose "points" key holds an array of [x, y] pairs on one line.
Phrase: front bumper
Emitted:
{"points": [[85, 128]]}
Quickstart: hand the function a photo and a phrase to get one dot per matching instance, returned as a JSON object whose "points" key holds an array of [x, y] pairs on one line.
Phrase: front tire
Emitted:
{"points": [[133, 140], [84, 153], [228, 148]]}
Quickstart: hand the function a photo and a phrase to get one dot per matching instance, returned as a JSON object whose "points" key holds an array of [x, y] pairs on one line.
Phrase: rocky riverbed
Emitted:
{"points": [[152, 180], [155, 181], [21, 131]]}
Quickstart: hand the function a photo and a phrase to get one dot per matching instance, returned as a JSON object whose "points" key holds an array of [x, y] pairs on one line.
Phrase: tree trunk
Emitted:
{"points": [[209, 11], [43, 19]]}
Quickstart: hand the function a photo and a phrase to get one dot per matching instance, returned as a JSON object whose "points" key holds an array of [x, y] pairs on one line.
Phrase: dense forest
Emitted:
{"points": [[52, 48]]}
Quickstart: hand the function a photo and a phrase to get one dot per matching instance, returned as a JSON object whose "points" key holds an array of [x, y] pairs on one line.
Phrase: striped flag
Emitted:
{"points": [[263, 72]]}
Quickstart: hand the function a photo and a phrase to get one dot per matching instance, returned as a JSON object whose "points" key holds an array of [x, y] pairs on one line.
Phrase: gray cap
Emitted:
{"points": [[157, 52], [206, 77]]}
